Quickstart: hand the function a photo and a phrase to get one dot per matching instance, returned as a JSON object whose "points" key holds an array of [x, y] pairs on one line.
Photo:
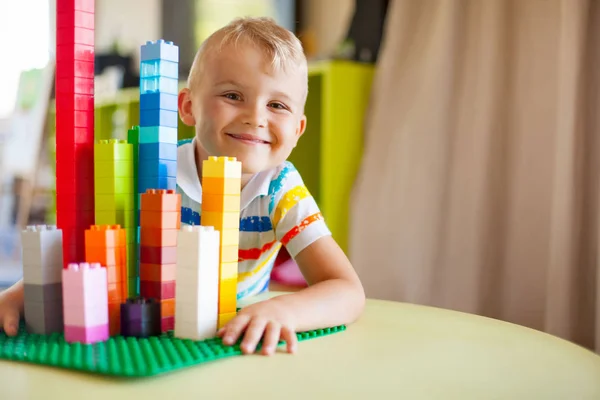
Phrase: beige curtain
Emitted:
{"points": [[479, 184]]}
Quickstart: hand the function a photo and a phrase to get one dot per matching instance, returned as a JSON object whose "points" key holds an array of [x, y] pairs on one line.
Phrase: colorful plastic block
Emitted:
{"points": [[158, 101], [86, 317], [159, 84], [221, 167], [140, 317], [156, 151], [158, 67], [159, 168], [158, 134], [160, 49]]}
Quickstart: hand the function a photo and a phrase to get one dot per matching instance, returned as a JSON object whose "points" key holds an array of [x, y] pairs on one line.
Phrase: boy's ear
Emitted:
{"points": [[184, 104], [301, 127]]}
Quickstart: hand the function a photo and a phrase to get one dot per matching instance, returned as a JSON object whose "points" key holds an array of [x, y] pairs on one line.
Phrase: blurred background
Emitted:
{"points": [[451, 145]]}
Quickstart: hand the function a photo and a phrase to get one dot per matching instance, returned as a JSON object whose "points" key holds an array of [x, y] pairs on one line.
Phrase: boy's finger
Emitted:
{"points": [[11, 323], [253, 334], [271, 338], [290, 338], [234, 329]]}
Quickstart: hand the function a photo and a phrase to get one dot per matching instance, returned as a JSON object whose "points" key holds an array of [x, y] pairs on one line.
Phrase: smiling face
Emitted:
{"points": [[244, 108]]}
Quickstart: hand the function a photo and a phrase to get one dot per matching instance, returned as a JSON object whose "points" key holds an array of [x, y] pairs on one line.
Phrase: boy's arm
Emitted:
{"points": [[335, 295]]}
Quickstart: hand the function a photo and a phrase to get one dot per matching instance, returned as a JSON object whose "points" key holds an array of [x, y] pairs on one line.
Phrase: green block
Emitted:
{"points": [[113, 169], [129, 357], [115, 201], [133, 137], [119, 217], [111, 150], [114, 185]]}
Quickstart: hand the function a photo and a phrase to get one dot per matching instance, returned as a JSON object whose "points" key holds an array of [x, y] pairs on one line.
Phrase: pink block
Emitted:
{"points": [[85, 284], [80, 315], [87, 335]]}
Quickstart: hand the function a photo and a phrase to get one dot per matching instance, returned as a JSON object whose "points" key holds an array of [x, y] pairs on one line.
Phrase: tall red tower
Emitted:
{"points": [[74, 124]]}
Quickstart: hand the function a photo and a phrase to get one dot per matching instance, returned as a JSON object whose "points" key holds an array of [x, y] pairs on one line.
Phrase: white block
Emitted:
{"points": [[197, 283], [42, 254]]}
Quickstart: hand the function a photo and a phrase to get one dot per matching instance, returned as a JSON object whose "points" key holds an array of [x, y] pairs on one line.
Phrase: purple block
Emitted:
{"points": [[86, 335]]}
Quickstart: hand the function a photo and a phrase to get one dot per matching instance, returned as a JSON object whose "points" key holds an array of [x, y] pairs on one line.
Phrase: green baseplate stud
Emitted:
{"points": [[124, 356]]}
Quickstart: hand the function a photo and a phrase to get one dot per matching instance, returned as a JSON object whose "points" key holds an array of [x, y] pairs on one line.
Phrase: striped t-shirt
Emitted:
{"points": [[275, 209]]}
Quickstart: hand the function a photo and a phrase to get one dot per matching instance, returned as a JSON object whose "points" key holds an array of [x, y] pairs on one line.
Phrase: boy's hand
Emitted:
{"points": [[10, 307], [269, 320]]}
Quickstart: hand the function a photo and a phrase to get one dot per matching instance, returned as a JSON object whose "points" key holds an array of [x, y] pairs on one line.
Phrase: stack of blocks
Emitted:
{"points": [[114, 183], [160, 219], [133, 136], [85, 303], [42, 278], [74, 123], [106, 245], [140, 317], [221, 183], [197, 282]]}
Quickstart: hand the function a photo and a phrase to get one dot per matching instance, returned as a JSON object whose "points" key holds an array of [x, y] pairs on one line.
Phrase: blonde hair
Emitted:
{"points": [[280, 45]]}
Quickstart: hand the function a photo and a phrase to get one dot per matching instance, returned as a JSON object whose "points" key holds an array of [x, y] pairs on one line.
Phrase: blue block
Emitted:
{"points": [[160, 49], [159, 84], [189, 216], [155, 151], [157, 168], [158, 134], [158, 101], [156, 183], [157, 67], [158, 117]]}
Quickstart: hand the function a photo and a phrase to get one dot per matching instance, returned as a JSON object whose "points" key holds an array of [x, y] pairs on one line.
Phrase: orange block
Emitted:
{"points": [[220, 202], [114, 273], [158, 272], [114, 318], [167, 308], [157, 237], [222, 319], [220, 220], [105, 256], [221, 186], [160, 219], [105, 236], [115, 293], [160, 200]]}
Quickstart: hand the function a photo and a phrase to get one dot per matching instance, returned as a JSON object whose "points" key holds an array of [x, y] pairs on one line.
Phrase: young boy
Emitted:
{"points": [[245, 97]]}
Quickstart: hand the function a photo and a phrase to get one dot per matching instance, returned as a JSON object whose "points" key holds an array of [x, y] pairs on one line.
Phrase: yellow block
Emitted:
{"points": [[230, 237], [221, 167], [220, 186], [227, 296], [220, 202], [229, 270], [220, 221], [225, 318], [229, 253]]}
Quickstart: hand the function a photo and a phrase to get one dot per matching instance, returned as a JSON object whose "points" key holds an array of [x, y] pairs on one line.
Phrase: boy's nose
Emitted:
{"points": [[255, 117]]}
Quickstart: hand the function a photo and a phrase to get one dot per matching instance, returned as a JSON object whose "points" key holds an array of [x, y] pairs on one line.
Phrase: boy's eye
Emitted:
{"points": [[278, 106], [232, 96]]}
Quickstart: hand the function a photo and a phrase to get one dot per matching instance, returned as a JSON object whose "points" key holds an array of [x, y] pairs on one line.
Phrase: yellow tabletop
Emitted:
{"points": [[395, 350]]}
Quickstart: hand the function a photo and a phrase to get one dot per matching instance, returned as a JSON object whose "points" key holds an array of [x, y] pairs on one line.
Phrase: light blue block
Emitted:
{"points": [[160, 49], [157, 182], [159, 84], [158, 134], [153, 151], [157, 168], [159, 118], [168, 69]]}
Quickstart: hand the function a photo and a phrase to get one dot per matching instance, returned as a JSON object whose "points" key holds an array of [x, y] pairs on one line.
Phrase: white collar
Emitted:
{"points": [[188, 181]]}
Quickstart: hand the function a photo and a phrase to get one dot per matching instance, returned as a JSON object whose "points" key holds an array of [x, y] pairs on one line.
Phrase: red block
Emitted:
{"points": [[79, 153], [157, 290], [69, 5], [74, 85], [74, 170], [167, 324], [74, 136], [72, 35], [77, 219], [77, 68], [156, 237], [80, 202], [75, 187], [72, 53], [74, 18], [158, 255]]}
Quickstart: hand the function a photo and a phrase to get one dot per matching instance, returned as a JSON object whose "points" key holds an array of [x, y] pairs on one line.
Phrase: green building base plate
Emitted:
{"points": [[124, 356]]}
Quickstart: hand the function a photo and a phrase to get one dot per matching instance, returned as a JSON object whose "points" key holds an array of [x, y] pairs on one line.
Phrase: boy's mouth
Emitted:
{"points": [[244, 137]]}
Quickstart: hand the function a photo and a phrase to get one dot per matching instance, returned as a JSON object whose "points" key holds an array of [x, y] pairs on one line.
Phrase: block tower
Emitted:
{"points": [[42, 278], [85, 303], [197, 283], [107, 245], [74, 123], [114, 197], [133, 138], [221, 185], [160, 220]]}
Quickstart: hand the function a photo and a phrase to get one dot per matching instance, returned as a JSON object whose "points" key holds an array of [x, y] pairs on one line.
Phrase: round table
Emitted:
{"points": [[394, 350]]}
